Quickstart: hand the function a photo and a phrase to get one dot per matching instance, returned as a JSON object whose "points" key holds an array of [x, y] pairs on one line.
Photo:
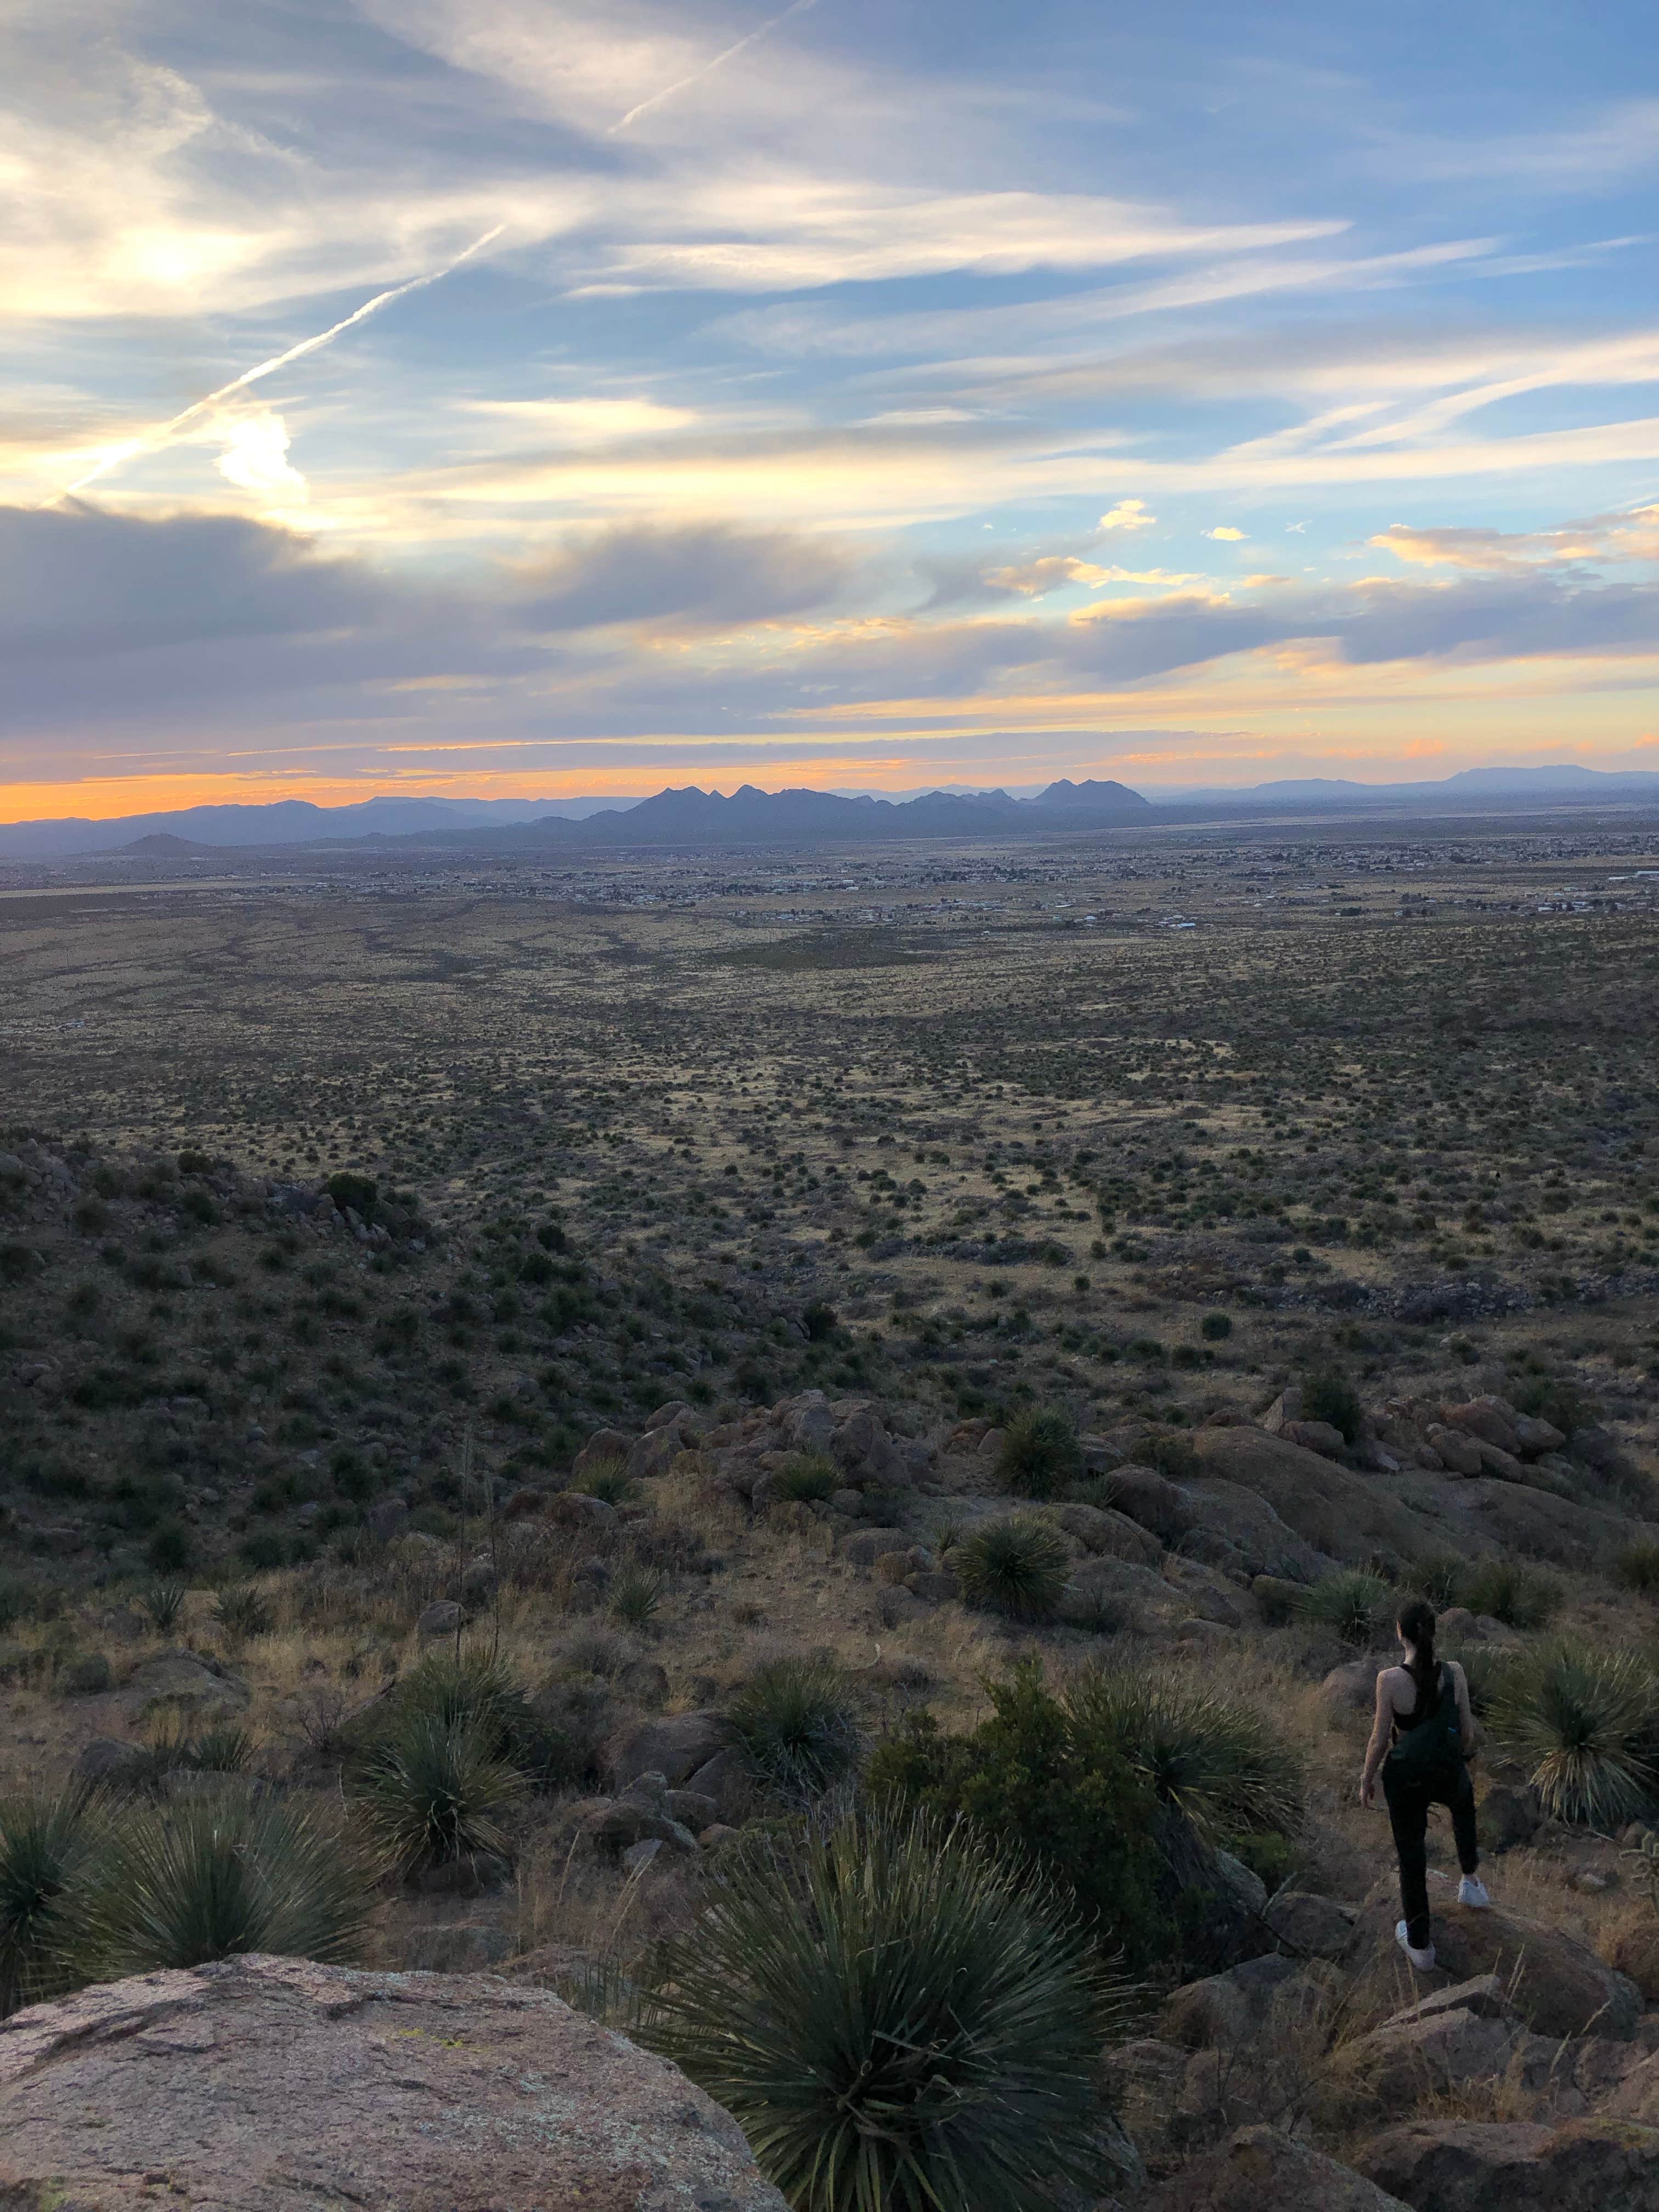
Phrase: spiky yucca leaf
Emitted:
{"points": [[44, 1842], [1040, 1453], [899, 2020], [1016, 1567], [433, 1794], [1583, 1720], [1355, 1606], [1214, 1761], [793, 1723], [178, 1885]]}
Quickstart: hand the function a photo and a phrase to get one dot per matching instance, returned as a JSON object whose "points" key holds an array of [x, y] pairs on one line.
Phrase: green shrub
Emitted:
{"points": [[181, 1884], [1443, 1579], [241, 1611], [1582, 1720], [807, 1478], [1037, 1786], [164, 1601], [897, 2023], [434, 1793], [1016, 1567], [1040, 1454], [1484, 1670], [794, 1727], [1638, 1567], [1504, 1589], [42, 1844], [820, 1320], [1332, 1398], [88, 1676], [1172, 1455], [1216, 1326], [170, 1548], [1354, 1605]]}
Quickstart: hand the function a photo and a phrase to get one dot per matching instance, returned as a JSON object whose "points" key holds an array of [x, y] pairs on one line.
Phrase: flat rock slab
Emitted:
{"points": [[261, 2084], [1469, 2165], [1260, 2170]]}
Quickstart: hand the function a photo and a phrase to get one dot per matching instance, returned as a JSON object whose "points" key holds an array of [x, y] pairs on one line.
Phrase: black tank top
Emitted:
{"points": [[1427, 1704]]}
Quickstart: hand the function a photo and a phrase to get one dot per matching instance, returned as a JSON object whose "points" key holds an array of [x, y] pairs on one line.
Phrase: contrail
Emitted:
{"points": [[164, 432], [795, 8]]}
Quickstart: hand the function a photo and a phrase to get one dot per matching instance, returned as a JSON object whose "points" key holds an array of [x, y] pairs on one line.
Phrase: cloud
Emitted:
{"points": [[588, 421], [255, 455], [710, 574], [1033, 578], [1127, 514], [1632, 534], [1226, 534]]}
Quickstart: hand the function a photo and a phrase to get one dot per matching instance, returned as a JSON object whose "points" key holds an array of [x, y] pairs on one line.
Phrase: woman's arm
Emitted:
{"points": [[1465, 1711], [1378, 1749]]}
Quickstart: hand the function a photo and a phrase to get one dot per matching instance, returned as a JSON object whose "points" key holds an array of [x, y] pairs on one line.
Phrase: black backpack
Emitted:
{"points": [[1432, 1750]]}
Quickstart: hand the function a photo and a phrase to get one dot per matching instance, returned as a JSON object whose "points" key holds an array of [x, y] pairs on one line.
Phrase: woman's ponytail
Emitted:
{"points": [[1417, 1626]]}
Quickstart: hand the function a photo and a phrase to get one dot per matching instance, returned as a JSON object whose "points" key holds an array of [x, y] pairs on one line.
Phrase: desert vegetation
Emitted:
{"points": [[783, 1486]]}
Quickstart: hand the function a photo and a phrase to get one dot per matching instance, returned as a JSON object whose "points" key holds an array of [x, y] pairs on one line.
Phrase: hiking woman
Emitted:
{"points": [[1422, 1739]]}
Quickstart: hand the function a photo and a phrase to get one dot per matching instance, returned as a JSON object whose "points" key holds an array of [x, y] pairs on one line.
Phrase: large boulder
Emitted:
{"points": [[1262, 2170], [190, 1683], [1264, 1543], [675, 1745], [1557, 1985], [1541, 1526], [258, 2084], [1595, 2165], [1347, 1516], [1225, 2010], [1309, 1926], [1112, 1535], [1433, 2046]]}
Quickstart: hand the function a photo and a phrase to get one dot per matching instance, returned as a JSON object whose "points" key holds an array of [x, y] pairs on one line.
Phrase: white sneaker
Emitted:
{"points": [[1422, 1960], [1471, 1892]]}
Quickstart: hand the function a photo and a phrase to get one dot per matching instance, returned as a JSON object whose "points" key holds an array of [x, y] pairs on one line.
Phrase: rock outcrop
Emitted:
{"points": [[1557, 1985], [260, 2084]]}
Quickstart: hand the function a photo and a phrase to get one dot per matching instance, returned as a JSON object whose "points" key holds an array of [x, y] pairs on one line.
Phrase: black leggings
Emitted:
{"points": [[1408, 1816]]}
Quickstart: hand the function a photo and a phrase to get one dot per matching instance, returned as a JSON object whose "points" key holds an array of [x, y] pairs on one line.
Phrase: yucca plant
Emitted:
{"points": [[807, 1478], [899, 2020], [636, 1597], [468, 1689], [1016, 1567], [179, 1885], [1354, 1605], [163, 1601], [1040, 1454], [1508, 1590], [222, 1750], [1214, 1763], [793, 1725], [434, 1793], [1582, 1721], [607, 1479], [44, 1842]]}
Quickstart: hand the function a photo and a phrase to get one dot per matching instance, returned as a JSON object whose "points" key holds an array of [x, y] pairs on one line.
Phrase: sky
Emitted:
{"points": [[868, 394]]}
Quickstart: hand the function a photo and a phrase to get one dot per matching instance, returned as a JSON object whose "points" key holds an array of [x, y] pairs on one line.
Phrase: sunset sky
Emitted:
{"points": [[880, 393]]}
